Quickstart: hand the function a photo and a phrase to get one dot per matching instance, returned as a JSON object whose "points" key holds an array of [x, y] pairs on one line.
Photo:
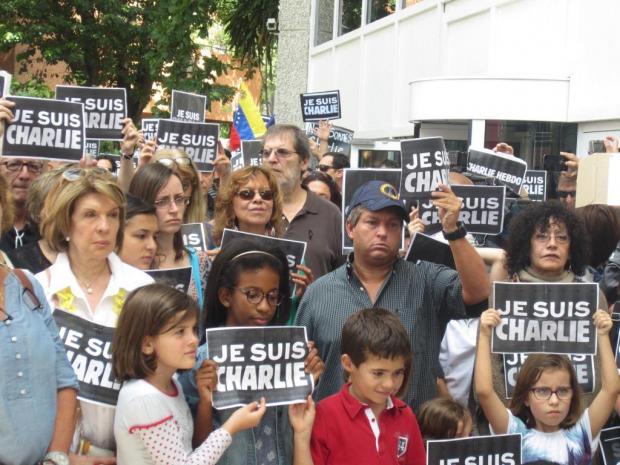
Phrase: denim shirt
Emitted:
{"points": [[33, 367], [242, 451]]}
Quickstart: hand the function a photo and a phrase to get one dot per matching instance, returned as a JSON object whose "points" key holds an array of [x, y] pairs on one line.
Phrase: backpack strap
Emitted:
{"points": [[28, 289]]}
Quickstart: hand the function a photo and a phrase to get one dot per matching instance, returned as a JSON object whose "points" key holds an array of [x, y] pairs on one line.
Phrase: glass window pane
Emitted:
{"points": [[350, 15], [378, 9], [406, 3], [324, 21]]}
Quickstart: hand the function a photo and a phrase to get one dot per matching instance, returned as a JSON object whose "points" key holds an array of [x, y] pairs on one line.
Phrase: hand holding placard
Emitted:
{"points": [[245, 417], [130, 137], [6, 115], [206, 380], [448, 205]]}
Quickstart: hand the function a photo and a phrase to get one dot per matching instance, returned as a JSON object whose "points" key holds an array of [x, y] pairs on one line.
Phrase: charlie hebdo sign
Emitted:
{"points": [[425, 165]]}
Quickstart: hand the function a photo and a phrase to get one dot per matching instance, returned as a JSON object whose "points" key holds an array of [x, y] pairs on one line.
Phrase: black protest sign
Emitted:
{"points": [[425, 164], [44, 128], [88, 346], [188, 107], [552, 318], [236, 160], [423, 247], [482, 209], [149, 128], [294, 251], [339, 139], [583, 365], [506, 169], [105, 109], [250, 150], [197, 140], [5, 83], [255, 362], [610, 445], [178, 278], [354, 178], [92, 147], [535, 183], [194, 236], [502, 449], [317, 106]]}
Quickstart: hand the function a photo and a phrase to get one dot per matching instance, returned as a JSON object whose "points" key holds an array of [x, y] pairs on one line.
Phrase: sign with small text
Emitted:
{"points": [[189, 107], [425, 164], [197, 140], [505, 169], [501, 449]]}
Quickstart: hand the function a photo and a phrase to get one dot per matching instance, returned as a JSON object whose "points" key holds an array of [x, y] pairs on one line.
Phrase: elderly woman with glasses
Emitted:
{"points": [[162, 187], [83, 223]]}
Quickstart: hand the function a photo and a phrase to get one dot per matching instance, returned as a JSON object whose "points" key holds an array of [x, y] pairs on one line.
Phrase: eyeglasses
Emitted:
{"points": [[33, 167], [179, 201], [544, 393], [545, 237], [324, 168], [280, 153], [73, 174], [249, 194], [564, 194], [180, 161], [255, 296]]}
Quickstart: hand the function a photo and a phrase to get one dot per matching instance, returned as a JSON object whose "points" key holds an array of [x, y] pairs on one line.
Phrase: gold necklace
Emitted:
{"points": [[84, 285]]}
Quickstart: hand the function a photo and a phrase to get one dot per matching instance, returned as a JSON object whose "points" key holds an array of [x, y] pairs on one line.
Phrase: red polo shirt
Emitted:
{"points": [[342, 434]]}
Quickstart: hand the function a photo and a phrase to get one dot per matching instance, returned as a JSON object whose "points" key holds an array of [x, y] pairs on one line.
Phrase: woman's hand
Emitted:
{"points": [[6, 115], [602, 321], [147, 151], [488, 321], [314, 364], [415, 225], [206, 380], [301, 417], [245, 417], [130, 137], [303, 278]]}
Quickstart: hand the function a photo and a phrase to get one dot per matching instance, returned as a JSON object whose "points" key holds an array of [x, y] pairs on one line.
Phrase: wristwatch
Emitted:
{"points": [[127, 156], [55, 458], [460, 232]]}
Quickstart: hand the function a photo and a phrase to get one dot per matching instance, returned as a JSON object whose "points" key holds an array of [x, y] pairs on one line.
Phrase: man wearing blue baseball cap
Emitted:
{"points": [[424, 295]]}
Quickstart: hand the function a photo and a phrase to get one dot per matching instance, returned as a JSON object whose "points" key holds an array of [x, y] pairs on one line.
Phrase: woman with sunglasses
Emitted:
{"points": [[162, 187], [82, 223]]}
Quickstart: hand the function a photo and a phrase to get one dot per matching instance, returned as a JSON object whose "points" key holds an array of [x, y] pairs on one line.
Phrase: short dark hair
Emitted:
{"points": [[537, 217], [227, 267], [439, 418], [300, 139], [376, 332], [334, 192], [603, 231], [530, 373], [147, 311], [339, 160], [137, 206], [110, 158]]}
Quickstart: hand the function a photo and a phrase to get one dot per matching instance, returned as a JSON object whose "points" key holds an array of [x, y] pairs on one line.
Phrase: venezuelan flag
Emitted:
{"points": [[247, 119]]}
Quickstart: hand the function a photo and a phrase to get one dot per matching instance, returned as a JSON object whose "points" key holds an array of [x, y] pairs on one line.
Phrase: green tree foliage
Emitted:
{"points": [[245, 24], [115, 43]]}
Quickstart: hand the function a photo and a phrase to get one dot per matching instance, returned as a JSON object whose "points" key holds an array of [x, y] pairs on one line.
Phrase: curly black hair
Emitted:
{"points": [[537, 217]]}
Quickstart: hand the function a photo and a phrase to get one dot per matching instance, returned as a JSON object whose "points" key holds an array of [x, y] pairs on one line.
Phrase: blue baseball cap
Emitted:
{"points": [[377, 195]]}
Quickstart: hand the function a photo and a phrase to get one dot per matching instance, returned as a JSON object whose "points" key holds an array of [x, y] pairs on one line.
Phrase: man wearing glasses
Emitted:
{"points": [[333, 164], [308, 218], [19, 174]]}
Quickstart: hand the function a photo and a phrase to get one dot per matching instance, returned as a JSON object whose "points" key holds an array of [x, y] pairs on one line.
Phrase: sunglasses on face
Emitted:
{"points": [[249, 194], [564, 194], [324, 168]]}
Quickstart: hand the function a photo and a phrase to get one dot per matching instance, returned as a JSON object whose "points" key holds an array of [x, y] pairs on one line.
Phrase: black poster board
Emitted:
{"points": [[179, 278], [92, 147], [186, 106], [339, 140], [502, 449], [197, 140], [104, 109], [551, 318], [507, 170], [317, 106], [194, 236], [535, 183], [149, 128], [425, 164], [250, 151], [424, 247], [44, 128], [255, 362], [610, 445], [88, 346]]}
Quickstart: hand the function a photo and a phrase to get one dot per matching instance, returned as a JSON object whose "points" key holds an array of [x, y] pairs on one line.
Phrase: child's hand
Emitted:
{"points": [[602, 321], [245, 417], [314, 364], [488, 321], [301, 417], [206, 380]]}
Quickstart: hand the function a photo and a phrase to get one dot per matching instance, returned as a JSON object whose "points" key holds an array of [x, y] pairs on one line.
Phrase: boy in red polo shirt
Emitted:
{"points": [[365, 423]]}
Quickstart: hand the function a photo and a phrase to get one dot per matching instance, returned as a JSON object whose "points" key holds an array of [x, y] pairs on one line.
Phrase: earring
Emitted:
{"points": [[67, 238]]}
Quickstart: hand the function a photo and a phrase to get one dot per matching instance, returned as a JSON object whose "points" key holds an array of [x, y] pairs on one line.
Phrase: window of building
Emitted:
{"points": [[378, 9], [350, 16]]}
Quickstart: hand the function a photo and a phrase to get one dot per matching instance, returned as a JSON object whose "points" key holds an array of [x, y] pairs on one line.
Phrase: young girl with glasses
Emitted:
{"points": [[546, 403], [155, 337], [248, 286]]}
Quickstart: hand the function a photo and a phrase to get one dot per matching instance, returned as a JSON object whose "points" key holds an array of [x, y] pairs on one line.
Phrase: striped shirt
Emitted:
{"points": [[424, 295]]}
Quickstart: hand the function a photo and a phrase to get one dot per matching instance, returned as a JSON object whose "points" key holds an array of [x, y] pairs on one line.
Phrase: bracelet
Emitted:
{"points": [[460, 232], [126, 157]]}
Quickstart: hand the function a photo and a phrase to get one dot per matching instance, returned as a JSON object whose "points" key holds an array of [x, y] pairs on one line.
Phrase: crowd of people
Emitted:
{"points": [[399, 351]]}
